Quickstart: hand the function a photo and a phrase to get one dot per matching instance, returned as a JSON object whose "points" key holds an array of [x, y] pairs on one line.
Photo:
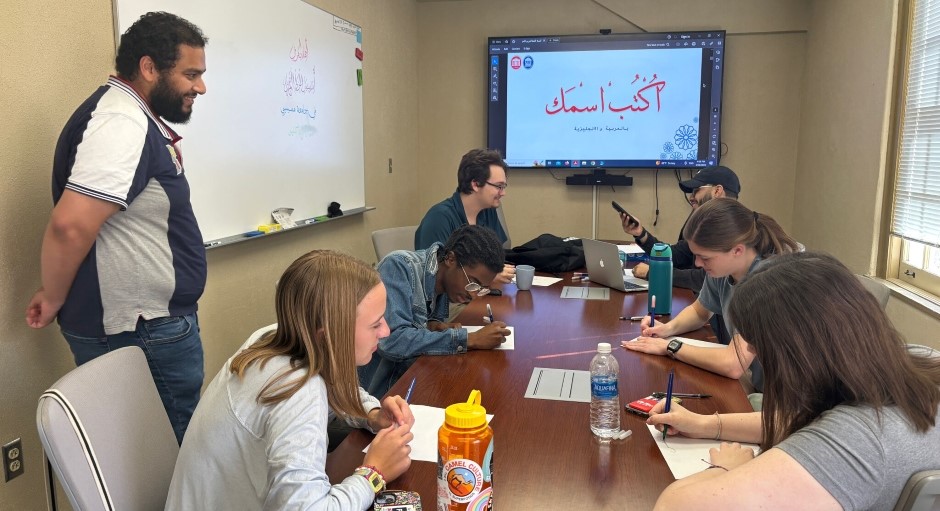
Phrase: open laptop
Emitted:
{"points": [[604, 267]]}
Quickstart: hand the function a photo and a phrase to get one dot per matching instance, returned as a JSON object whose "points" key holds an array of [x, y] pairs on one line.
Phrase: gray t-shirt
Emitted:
{"points": [[715, 296], [864, 464]]}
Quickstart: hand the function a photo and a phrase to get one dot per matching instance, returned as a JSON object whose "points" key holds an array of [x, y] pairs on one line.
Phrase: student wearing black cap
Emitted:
{"points": [[707, 184]]}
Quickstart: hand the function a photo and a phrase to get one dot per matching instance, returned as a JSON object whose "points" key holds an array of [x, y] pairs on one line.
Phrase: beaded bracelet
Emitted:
{"points": [[712, 465], [718, 436]]}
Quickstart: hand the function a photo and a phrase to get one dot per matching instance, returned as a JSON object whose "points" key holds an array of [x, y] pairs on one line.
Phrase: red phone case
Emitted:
{"points": [[644, 404]]}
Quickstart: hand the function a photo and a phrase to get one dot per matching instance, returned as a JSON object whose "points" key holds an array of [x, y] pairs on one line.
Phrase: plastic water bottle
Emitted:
{"points": [[605, 400], [660, 277]]}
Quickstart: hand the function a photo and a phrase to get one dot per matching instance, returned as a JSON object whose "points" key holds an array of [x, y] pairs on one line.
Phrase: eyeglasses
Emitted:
{"points": [[692, 196], [472, 286], [501, 186]]}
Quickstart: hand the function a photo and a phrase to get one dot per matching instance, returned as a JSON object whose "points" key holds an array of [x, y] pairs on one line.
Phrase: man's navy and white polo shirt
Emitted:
{"points": [[148, 260]]}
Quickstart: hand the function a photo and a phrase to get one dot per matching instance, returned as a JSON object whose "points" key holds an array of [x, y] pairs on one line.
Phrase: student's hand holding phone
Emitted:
{"points": [[488, 337], [389, 452], [631, 225]]}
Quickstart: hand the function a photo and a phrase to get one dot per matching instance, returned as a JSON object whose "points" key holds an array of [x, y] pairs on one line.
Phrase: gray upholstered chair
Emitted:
{"points": [[393, 238], [107, 435], [921, 493], [876, 288]]}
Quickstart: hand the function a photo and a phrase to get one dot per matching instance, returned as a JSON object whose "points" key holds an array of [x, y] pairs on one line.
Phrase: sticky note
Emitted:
{"points": [[359, 54], [359, 77], [359, 36]]}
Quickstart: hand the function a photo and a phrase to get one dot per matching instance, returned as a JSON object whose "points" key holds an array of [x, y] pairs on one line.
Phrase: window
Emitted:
{"points": [[915, 225]]}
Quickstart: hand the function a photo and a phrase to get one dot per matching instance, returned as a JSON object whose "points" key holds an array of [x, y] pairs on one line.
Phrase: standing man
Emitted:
{"points": [[419, 285], [481, 186], [122, 261]]}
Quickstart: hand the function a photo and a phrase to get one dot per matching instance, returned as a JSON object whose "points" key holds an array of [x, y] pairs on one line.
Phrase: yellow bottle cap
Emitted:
{"points": [[466, 415]]}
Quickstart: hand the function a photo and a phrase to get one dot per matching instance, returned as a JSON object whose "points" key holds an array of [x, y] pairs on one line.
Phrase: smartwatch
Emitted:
{"points": [[673, 347]]}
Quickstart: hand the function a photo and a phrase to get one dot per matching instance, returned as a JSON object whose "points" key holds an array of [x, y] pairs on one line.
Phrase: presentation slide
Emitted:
{"points": [[639, 104]]}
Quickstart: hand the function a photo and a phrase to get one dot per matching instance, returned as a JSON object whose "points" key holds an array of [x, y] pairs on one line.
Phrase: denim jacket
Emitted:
{"points": [[410, 278]]}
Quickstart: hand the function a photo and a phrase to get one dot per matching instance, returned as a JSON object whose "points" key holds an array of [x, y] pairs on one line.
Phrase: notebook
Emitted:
{"points": [[604, 267]]}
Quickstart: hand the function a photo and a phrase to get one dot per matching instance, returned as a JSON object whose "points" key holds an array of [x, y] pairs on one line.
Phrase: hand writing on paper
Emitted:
{"points": [[488, 337], [389, 452], [681, 421], [651, 345]]}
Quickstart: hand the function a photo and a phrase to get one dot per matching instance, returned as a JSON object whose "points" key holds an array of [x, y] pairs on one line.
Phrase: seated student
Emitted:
{"points": [[707, 184], [481, 186], [729, 241], [420, 284], [849, 413], [258, 437]]}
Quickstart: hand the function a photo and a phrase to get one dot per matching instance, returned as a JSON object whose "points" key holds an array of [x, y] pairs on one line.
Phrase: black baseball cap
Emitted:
{"points": [[713, 176]]}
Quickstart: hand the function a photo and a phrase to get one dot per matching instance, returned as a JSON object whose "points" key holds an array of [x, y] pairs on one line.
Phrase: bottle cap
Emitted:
{"points": [[466, 415], [603, 347], [661, 251]]}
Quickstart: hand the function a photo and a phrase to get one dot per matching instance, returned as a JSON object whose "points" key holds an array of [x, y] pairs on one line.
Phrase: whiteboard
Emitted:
{"points": [[281, 122]]}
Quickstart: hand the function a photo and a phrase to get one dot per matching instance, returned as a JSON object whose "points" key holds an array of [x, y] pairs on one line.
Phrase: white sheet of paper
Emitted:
{"points": [[684, 455], [586, 293], [509, 344], [428, 419], [539, 280], [632, 248], [560, 385]]}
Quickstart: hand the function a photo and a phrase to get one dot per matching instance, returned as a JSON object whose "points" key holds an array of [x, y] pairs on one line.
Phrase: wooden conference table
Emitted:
{"points": [[545, 455]]}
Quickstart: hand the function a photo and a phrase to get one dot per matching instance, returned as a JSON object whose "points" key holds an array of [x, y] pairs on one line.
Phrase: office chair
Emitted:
{"points": [[876, 288], [502, 222], [107, 435], [393, 238], [921, 493]]}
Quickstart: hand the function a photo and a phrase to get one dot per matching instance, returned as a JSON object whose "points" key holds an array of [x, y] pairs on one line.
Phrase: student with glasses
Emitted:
{"points": [[481, 186], [420, 286]]}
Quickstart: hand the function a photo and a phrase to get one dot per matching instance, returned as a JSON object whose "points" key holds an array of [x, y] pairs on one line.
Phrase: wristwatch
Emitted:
{"points": [[376, 481], [673, 347]]}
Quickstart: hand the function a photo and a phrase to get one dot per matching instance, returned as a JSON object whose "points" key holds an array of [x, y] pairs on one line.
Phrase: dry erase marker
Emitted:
{"points": [[212, 244], [652, 308], [410, 388]]}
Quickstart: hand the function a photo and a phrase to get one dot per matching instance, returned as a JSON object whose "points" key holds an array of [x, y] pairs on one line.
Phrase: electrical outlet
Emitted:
{"points": [[12, 460], [389, 165]]}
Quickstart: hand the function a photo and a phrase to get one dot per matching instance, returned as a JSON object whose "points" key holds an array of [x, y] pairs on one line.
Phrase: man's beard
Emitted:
{"points": [[167, 103]]}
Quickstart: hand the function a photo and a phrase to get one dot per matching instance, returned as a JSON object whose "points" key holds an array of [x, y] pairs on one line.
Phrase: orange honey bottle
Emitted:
{"points": [[465, 458]]}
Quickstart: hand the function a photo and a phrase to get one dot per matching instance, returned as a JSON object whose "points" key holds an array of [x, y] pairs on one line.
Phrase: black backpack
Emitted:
{"points": [[549, 253]]}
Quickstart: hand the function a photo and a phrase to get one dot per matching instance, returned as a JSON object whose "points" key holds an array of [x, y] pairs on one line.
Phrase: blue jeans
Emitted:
{"points": [[174, 353]]}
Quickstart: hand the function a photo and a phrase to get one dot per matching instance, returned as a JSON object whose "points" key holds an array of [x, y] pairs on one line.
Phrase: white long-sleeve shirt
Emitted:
{"points": [[238, 454]]}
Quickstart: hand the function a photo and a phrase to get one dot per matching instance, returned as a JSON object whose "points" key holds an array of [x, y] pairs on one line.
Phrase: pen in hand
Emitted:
{"points": [[652, 310], [668, 400], [489, 312], [410, 388]]}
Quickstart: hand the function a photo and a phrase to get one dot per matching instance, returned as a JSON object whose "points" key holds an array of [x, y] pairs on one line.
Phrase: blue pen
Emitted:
{"points": [[410, 388], [668, 399], [489, 311]]}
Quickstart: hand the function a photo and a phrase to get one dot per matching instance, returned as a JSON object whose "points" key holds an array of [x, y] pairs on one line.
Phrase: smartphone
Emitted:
{"points": [[620, 209], [397, 500]]}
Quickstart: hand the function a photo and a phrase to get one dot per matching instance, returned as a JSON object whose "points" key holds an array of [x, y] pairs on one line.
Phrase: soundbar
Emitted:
{"points": [[599, 177]]}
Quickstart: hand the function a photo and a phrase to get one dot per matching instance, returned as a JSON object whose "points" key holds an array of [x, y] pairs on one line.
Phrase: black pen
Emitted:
{"points": [[660, 395]]}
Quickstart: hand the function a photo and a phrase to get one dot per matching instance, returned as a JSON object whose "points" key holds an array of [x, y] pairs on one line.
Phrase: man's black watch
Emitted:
{"points": [[673, 347]]}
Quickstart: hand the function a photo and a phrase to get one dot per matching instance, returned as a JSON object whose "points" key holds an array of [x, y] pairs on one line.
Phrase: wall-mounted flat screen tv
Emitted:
{"points": [[644, 100]]}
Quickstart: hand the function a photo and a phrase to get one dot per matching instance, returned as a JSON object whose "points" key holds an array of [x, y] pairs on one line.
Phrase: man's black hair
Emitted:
{"points": [[473, 245], [157, 35]]}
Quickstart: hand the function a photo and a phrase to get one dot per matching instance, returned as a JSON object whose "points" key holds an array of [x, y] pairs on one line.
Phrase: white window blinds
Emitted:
{"points": [[917, 196]]}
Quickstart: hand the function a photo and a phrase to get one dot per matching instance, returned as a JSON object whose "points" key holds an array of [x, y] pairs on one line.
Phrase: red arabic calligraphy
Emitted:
{"points": [[641, 100]]}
